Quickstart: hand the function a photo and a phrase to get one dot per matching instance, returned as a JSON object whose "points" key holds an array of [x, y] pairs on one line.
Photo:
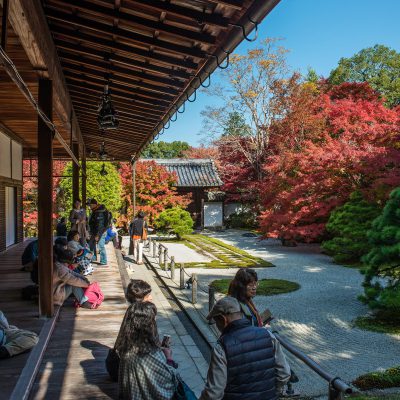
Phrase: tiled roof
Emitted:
{"points": [[192, 172]]}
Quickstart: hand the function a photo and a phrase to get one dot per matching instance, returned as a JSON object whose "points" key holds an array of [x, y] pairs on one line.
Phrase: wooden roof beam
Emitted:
{"points": [[130, 36], [127, 61], [80, 94], [180, 11], [236, 4], [131, 19], [74, 61], [160, 104], [117, 79], [30, 25], [132, 51]]}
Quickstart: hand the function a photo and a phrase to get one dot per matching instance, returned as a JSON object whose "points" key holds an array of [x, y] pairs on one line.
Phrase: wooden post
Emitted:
{"points": [[154, 249], [75, 174], [172, 267], [165, 258], [194, 288], [45, 201], [182, 276], [160, 254], [134, 188], [84, 177]]}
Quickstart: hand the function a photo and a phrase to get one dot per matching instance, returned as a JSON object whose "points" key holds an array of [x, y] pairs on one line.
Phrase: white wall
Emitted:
{"points": [[10, 158], [213, 216], [16, 161], [5, 156]]}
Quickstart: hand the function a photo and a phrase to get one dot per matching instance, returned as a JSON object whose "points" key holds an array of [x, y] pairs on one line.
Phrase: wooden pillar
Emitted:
{"points": [[84, 177], [45, 201], [134, 188], [75, 174]]}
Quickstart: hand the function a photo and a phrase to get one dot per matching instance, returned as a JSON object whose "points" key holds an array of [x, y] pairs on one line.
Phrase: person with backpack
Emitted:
{"points": [[99, 221], [61, 228], [138, 234]]}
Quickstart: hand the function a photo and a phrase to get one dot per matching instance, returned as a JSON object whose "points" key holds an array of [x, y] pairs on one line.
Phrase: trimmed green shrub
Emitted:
{"points": [[349, 225], [174, 221], [382, 275]]}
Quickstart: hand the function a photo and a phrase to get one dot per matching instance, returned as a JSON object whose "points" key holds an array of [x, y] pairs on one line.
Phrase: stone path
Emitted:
{"points": [[192, 365], [318, 317]]}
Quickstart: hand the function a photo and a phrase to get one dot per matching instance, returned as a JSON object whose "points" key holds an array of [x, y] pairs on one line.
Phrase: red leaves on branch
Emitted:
{"points": [[154, 189], [349, 142]]}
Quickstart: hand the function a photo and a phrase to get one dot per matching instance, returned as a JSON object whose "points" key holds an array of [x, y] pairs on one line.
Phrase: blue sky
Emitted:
{"points": [[317, 33]]}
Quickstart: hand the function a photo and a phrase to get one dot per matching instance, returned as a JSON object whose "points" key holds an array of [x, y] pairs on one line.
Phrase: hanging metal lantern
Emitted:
{"points": [[107, 117]]}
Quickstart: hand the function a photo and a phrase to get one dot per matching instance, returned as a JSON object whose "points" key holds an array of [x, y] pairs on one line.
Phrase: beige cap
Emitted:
{"points": [[227, 305]]}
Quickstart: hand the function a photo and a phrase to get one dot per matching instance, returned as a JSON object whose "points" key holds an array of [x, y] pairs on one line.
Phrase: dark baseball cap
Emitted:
{"points": [[92, 201], [225, 306]]}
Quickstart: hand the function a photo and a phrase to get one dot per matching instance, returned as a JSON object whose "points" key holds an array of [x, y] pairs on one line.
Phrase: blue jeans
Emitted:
{"points": [[77, 292], [102, 249]]}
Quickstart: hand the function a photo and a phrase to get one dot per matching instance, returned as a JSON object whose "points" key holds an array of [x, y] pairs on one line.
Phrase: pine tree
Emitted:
{"points": [[382, 277], [349, 225]]}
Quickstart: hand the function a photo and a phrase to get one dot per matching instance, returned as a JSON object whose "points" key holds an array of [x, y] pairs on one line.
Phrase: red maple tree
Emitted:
{"points": [[155, 190], [349, 142]]}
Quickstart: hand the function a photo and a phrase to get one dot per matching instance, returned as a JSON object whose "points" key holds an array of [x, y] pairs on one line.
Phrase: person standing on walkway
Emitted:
{"points": [[99, 222], [138, 233], [61, 228], [78, 220], [247, 362]]}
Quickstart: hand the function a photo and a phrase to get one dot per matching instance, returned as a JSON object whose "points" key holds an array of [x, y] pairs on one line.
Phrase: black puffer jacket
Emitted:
{"points": [[99, 220]]}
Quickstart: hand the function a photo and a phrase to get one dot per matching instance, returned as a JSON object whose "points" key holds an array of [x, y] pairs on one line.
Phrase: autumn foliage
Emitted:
{"points": [[154, 189], [349, 142]]}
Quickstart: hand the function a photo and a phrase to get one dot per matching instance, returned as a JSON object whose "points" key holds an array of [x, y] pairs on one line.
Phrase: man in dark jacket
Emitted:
{"points": [[99, 221], [247, 361], [138, 233]]}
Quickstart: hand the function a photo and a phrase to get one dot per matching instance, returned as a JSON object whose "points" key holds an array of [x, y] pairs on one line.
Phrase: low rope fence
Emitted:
{"points": [[186, 280]]}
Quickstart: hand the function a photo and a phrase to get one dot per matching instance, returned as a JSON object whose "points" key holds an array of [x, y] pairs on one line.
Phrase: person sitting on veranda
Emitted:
{"points": [[66, 281], [137, 291], [144, 372], [14, 341]]}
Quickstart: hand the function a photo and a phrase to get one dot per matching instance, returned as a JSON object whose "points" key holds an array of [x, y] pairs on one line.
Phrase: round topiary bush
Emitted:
{"points": [[174, 221]]}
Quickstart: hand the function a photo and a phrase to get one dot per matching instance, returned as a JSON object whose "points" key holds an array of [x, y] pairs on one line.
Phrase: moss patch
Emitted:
{"points": [[383, 323], [226, 256], [379, 379], [266, 287]]}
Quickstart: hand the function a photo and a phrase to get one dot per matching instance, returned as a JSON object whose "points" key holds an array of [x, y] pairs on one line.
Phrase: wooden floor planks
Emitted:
{"points": [[23, 314], [73, 366]]}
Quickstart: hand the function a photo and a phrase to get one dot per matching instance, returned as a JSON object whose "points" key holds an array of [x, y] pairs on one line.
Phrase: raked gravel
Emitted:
{"points": [[318, 317]]}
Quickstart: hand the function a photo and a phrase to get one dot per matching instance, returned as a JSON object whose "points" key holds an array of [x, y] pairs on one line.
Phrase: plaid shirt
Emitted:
{"points": [[146, 377]]}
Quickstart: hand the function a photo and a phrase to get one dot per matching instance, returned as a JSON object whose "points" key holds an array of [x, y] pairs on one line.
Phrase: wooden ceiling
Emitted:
{"points": [[150, 52]]}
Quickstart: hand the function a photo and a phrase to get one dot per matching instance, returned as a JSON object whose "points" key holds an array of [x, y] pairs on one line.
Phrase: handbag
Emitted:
{"points": [[112, 364], [183, 391]]}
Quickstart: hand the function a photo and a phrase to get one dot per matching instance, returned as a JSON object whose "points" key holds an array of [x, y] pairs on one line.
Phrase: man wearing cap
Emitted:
{"points": [[247, 362], [99, 221]]}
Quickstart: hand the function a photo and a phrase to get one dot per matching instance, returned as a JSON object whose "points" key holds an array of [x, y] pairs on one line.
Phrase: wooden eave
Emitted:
{"points": [[152, 53]]}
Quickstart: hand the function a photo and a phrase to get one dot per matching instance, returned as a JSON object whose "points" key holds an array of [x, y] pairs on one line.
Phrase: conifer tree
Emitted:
{"points": [[349, 225], [382, 277]]}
